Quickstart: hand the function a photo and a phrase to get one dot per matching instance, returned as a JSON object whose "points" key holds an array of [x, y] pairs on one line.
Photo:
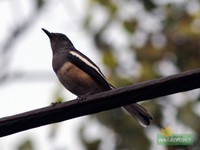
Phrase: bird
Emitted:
{"points": [[82, 77]]}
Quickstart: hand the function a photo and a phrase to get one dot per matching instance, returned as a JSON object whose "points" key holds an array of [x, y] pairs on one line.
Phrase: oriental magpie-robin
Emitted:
{"points": [[82, 77]]}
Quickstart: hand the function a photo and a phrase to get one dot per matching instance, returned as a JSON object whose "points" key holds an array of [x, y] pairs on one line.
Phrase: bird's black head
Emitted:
{"points": [[59, 41]]}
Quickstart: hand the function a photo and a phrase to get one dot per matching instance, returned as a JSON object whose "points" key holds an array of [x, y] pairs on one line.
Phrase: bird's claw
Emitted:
{"points": [[79, 99], [55, 103]]}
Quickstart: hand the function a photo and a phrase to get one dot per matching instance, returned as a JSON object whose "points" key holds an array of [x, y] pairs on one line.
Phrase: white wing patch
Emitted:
{"points": [[87, 62]]}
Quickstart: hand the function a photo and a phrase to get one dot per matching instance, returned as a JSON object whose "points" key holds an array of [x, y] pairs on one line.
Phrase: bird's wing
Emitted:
{"points": [[89, 67]]}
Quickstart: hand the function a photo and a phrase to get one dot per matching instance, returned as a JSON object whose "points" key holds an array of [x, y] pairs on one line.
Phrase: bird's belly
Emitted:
{"points": [[77, 81]]}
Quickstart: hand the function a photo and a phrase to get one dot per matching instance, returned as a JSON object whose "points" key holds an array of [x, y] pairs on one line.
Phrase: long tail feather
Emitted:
{"points": [[139, 113]]}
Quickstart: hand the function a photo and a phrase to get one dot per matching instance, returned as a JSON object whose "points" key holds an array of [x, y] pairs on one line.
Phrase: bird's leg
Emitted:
{"points": [[80, 98], [55, 103]]}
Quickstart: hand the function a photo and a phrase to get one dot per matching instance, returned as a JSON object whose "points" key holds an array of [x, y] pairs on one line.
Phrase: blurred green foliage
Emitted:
{"points": [[26, 145], [164, 38]]}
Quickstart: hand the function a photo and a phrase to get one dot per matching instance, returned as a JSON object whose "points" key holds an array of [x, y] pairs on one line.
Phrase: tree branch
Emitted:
{"points": [[100, 102]]}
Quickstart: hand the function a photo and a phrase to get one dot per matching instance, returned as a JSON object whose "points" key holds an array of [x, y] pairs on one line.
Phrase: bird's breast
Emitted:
{"points": [[76, 80]]}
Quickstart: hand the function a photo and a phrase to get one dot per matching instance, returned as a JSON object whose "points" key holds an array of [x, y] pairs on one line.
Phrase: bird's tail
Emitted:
{"points": [[139, 113]]}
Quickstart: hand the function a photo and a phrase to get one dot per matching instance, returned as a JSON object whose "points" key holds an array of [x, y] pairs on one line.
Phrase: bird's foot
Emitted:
{"points": [[55, 103], [79, 99], [82, 97]]}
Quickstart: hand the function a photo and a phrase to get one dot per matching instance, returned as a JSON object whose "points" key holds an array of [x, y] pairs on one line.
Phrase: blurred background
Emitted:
{"points": [[131, 40]]}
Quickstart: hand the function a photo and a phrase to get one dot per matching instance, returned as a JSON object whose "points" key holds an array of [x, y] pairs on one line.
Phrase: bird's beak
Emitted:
{"points": [[47, 32]]}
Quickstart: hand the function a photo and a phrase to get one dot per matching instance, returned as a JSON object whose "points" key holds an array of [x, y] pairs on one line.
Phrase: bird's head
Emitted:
{"points": [[59, 41]]}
